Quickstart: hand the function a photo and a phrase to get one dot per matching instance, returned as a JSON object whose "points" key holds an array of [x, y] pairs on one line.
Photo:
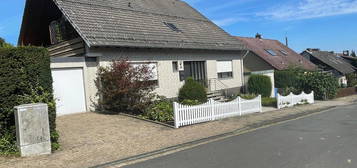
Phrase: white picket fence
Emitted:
{"points": [[213, 110], [292, 99]]}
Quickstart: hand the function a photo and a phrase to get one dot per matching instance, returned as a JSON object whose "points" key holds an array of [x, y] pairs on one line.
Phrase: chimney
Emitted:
{"points": [[346, 53], [313, 49], [258, 36]]}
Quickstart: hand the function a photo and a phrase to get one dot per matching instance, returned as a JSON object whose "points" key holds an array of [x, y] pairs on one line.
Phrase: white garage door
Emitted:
{"points": [[69, 91]]}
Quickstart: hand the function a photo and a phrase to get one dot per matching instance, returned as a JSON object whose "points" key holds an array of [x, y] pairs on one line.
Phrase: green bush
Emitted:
{"points": [[192, 90], [286, 78], [324, 85], [248, 96], [260, 85], [25, 77], [8, 144], [161, 110], [269, 102], [190, 102], [351, 79]]}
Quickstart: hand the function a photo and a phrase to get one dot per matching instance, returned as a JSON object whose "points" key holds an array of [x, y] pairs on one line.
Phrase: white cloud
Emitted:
{"points": [[307, 9]]}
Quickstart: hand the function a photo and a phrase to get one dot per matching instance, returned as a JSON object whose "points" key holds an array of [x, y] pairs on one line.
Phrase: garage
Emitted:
{"points": [[69, 91]]}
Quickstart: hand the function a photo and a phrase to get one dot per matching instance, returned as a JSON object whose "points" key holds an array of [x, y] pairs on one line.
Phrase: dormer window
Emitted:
{"points": [[172, 26], [271, 52]]}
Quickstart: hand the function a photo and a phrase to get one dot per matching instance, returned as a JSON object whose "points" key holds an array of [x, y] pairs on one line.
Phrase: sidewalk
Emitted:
{"points": [[91, 139]]}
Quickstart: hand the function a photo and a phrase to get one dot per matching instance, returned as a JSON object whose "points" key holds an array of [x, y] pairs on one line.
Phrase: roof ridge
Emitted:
{"points": [[154, 13]]}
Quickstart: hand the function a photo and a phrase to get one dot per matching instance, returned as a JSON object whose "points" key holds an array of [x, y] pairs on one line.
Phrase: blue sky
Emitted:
{"points": [[326, 24]]}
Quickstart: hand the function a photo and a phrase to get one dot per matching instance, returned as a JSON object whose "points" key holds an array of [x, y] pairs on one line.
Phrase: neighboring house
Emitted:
{"points": [[168, 35], [330, 62], [266, 56]]}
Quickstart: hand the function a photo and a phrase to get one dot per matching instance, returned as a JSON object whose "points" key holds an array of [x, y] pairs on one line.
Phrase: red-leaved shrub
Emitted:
{"points": [[124, 88]]}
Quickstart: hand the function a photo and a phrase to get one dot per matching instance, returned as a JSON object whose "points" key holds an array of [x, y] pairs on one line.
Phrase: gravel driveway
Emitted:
{"points": [[90, 139]]}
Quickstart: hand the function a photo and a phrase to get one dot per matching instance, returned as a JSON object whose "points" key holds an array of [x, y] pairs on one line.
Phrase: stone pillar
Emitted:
{"points": [[32, 129]]}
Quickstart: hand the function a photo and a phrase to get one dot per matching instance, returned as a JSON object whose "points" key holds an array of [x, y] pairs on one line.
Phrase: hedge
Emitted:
{"points": [[285, 78], [25, 77], [260, 84]]}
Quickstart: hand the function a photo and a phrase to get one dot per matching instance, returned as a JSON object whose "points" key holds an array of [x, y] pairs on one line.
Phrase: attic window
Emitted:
{"points": [[284, 52], [172, 27], [271, 52]]}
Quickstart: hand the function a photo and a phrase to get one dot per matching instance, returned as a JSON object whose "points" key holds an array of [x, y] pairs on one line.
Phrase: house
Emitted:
{"points": [[267, 55], [168, 35], [330, 62]]}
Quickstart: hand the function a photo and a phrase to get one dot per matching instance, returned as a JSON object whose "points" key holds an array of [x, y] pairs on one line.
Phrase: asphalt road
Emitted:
{"points": [[326, 140]]}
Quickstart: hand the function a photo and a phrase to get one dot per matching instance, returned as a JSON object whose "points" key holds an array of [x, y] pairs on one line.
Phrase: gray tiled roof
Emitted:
{"points": [[140, 23], [333, 61]]}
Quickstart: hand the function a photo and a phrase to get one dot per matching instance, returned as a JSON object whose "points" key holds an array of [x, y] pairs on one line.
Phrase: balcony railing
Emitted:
{"points": [[68, 48]]}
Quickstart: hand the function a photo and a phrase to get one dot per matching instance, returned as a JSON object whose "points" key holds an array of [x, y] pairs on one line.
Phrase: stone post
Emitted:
{"points": [[32, 129]]}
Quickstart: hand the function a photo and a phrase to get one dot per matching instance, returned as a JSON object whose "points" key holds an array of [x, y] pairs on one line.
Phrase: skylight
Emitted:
{"points": [[284, 52], [172, 27], [271, 52]]}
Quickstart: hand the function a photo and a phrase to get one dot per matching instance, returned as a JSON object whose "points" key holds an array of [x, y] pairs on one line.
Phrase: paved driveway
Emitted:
{"points": [[327, 140]]}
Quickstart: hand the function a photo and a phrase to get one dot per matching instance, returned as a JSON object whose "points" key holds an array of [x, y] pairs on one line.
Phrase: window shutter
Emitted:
{"points": [[224, 66]]}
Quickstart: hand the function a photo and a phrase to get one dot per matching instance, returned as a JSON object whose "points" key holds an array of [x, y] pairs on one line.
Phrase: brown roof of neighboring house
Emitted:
{"points": [[332, 60], [285, 57], [144, 23]]}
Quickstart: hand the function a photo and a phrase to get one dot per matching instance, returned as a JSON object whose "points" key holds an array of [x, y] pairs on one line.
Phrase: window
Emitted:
{"points": [[152, 67], [271, 52], [224, 69], [172, 27], [284, 52]]}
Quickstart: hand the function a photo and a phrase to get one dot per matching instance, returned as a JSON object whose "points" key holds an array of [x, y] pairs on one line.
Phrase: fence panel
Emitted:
{"points": [[292, 99], [213, 110]]}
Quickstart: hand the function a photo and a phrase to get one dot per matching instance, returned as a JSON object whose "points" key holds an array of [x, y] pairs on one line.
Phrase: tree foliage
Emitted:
{"points": [[3, 44]]}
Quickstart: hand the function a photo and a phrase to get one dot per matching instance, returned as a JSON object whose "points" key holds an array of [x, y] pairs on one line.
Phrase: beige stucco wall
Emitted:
{"points": [[169, 81]]}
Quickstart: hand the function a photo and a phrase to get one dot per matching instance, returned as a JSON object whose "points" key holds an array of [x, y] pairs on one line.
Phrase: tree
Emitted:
{"points": [[353, 54], [3, 43]]}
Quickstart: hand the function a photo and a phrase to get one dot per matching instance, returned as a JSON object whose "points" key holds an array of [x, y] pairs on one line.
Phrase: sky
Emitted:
{"points": [[326, 24]]}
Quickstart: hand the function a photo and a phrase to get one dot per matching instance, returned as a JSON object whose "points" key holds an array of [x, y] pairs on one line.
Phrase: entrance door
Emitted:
{"points": [[196, 70], [69, 91]]}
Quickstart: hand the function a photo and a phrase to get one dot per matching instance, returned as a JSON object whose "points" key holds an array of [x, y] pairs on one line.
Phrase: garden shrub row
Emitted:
{"points": [[324, 85], [25, 77]]}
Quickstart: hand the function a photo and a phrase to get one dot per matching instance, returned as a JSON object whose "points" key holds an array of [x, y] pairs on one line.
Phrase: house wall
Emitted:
{"points": [[253, 62], [168, 81]]}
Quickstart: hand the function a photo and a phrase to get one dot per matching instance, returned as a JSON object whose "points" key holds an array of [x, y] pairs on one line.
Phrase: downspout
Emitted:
{"points": [[242, 69]]}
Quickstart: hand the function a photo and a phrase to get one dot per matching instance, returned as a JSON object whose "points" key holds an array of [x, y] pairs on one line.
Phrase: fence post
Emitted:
{"points": [[313, 97], [292, 99], [240, 106], [260, 103], [211, 103], [278, 100], [176, 118]]}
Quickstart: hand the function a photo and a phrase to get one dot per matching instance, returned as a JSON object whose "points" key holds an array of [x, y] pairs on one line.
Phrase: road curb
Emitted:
{"points": [[246, 129]]}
